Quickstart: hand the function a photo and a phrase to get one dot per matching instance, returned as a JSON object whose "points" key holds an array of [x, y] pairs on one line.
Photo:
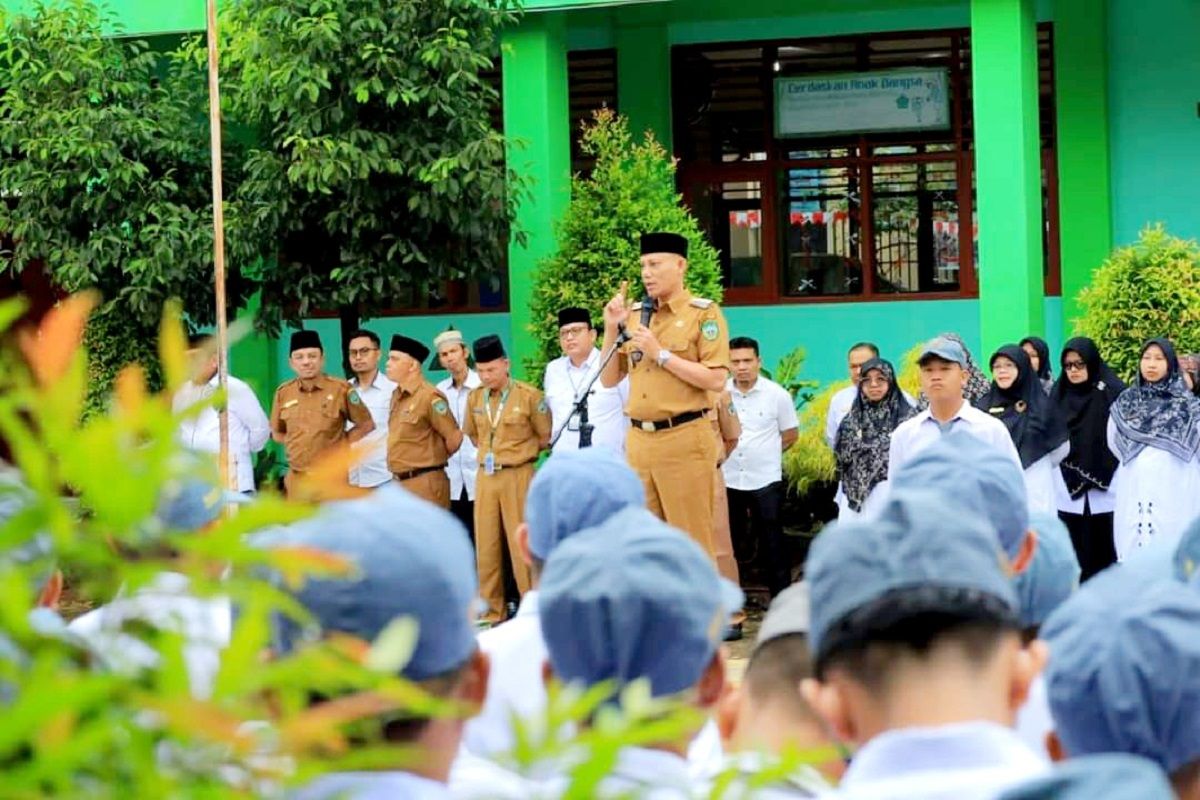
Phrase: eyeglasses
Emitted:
{"points": [[1074, 366], [571, 333], [365, 351]]}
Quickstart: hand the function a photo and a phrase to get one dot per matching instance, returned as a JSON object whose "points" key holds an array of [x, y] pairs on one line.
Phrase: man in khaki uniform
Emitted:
{"points": [[673, 364], [422, 433], [310, 412], [510, 424]]}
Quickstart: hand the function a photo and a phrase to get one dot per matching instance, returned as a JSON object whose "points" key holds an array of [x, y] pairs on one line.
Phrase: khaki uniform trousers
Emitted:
{"points": [[727, 564], [676, 468], [432, 486], [499, 510]]}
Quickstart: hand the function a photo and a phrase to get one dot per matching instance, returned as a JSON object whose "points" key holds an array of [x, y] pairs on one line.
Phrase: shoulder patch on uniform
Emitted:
{"points": [[710, 330], [701, 302], [732, 410], [440, 407], [354, 398], [542, 407]]}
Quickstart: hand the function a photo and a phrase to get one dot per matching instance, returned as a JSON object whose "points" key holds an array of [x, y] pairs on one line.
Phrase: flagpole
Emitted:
{"points": [[218, 192]]}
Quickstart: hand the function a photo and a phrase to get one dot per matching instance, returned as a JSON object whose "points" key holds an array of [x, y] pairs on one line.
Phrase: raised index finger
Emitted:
{"points": [[622, 291]]}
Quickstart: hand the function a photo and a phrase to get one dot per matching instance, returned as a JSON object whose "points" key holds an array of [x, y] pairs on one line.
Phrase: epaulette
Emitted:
{"points": [[701, 302]]}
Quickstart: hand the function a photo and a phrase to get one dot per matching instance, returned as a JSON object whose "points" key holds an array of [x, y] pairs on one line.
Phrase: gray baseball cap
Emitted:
{"points": [[945, 349], [790, 613]]}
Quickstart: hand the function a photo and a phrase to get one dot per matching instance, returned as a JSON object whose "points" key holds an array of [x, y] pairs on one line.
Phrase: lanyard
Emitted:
{"points": [[487, 409]]}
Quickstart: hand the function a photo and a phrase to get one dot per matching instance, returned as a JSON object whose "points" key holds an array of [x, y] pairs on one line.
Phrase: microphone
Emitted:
{"points": [[647, 312]]}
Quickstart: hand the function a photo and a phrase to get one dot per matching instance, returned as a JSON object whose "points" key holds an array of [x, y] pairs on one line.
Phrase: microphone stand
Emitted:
{"points": [[581, 403]]}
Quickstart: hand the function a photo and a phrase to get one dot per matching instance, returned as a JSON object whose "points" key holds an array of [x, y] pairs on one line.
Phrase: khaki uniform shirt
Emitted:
{"points": [[313, 419], [524, 424], [725, 422], [693, 329], [419, 423]]}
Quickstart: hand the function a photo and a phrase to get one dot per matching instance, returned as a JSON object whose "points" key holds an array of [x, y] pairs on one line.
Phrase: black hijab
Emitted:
{"points": [[1043, 350], [1090, 464], [1036, 426], [865, 435], [1163, 414]]}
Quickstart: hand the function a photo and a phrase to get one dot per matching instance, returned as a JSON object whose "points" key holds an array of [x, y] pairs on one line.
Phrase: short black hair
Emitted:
{"points": [[775, 671], [363, 333], [743, 343], [864, 346]]}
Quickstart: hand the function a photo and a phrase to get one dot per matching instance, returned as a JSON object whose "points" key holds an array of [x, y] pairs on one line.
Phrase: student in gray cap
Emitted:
{"points": [[574, 490], [765, 717], [966, 471], [1108, 777], [635, 599], [918, 655], [412, 560], [944, 374], [1124, 673]]}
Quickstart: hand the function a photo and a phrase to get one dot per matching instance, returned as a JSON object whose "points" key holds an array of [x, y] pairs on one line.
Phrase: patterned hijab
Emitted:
{"points": [[865, 435], [1035, 424], [977, 384], [1163, 414], [1090, 464]]}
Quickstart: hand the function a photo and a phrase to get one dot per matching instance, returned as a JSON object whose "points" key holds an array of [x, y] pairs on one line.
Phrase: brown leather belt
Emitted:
{"points": [[651, 426], [413, 473]]}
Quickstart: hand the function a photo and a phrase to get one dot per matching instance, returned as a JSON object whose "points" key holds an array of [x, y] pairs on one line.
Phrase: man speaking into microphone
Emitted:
{"points": [[677, 352]]}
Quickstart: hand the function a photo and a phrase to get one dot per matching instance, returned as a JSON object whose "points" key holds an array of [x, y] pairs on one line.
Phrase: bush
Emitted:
{"points": [[1149, 289], [115, 338], [631, 191], [787, 375], [810, 460]]}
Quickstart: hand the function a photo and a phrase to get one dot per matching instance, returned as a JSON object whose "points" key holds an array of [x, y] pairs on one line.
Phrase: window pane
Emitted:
{"points": [[821, 255], [731, 213], [916, 227], [720, 99]]}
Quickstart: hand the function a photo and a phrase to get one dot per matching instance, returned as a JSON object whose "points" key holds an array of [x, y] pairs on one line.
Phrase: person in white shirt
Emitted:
{"points": [[376, 390], [464, 464], [943, 365], [917, 652], [843, 400], [249, 428], [568, 376], [754, 470]]}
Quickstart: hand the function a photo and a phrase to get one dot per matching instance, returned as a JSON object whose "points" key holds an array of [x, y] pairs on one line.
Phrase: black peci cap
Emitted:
{"points": [[488, 348], [664, 243], [403, 344], [305, 339], [573, 315]]}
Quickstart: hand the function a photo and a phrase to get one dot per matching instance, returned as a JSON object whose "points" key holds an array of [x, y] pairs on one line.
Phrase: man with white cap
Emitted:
{"points": [[655, 614], [461, 467], [943, 365]]}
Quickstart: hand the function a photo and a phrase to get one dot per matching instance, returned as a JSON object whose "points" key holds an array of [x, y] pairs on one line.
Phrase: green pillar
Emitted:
{"points": [[537, 124], [1008, 169], [1084, 180], [644, 80], [252, 358]]}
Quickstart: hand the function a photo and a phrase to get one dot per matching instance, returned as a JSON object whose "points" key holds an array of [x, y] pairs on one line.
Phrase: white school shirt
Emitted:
{"points": [[463, 466], [249, 428], [564, 382], [1039, 480], [641, 773], [372, 786], [765, 412], [963, 761], [373, 470], [839, 406], [915, 434], [1158, 496]]}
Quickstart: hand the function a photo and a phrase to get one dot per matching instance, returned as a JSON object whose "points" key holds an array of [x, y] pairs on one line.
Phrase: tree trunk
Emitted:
{"points": [[348, 317]]}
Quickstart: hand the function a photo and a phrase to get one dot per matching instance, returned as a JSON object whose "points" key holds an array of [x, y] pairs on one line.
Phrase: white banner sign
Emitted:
{"points": [[862, 102]]}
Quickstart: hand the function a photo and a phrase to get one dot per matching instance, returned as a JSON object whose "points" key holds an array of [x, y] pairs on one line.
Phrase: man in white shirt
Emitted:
{"points": [[376, 390], [754, 470], [943, 377], [843, 400], [463, 465], [918, 655], [249, 428], [568, 376]]}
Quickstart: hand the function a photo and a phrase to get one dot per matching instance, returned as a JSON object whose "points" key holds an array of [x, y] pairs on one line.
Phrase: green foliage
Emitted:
{"points": [[373, 163], [787, 375], [1146, 290], [115, 340], [104, 164], [631, 191], [810, 460]]}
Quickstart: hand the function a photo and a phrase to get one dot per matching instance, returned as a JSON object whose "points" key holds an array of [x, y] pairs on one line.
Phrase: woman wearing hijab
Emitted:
{"points": [[1154, 430], [1084, 394], [865, 435], [977, 383], [1038, 430], [1039, 355]]}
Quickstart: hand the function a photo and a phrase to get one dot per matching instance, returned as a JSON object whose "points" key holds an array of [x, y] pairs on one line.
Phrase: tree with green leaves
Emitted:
{"points": [[374, 162], [104, 173], [630, 191]]}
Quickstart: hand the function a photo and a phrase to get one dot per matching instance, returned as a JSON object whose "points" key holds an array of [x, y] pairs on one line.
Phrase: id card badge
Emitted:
{"points": [[489, 464]]}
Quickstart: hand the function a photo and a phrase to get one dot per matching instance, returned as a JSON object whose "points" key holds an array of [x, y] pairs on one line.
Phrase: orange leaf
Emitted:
{"points": [[328, 478], [50, 351], [319, 725], [130, 391], [194, 717], [51, 593], [297, 562]]}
